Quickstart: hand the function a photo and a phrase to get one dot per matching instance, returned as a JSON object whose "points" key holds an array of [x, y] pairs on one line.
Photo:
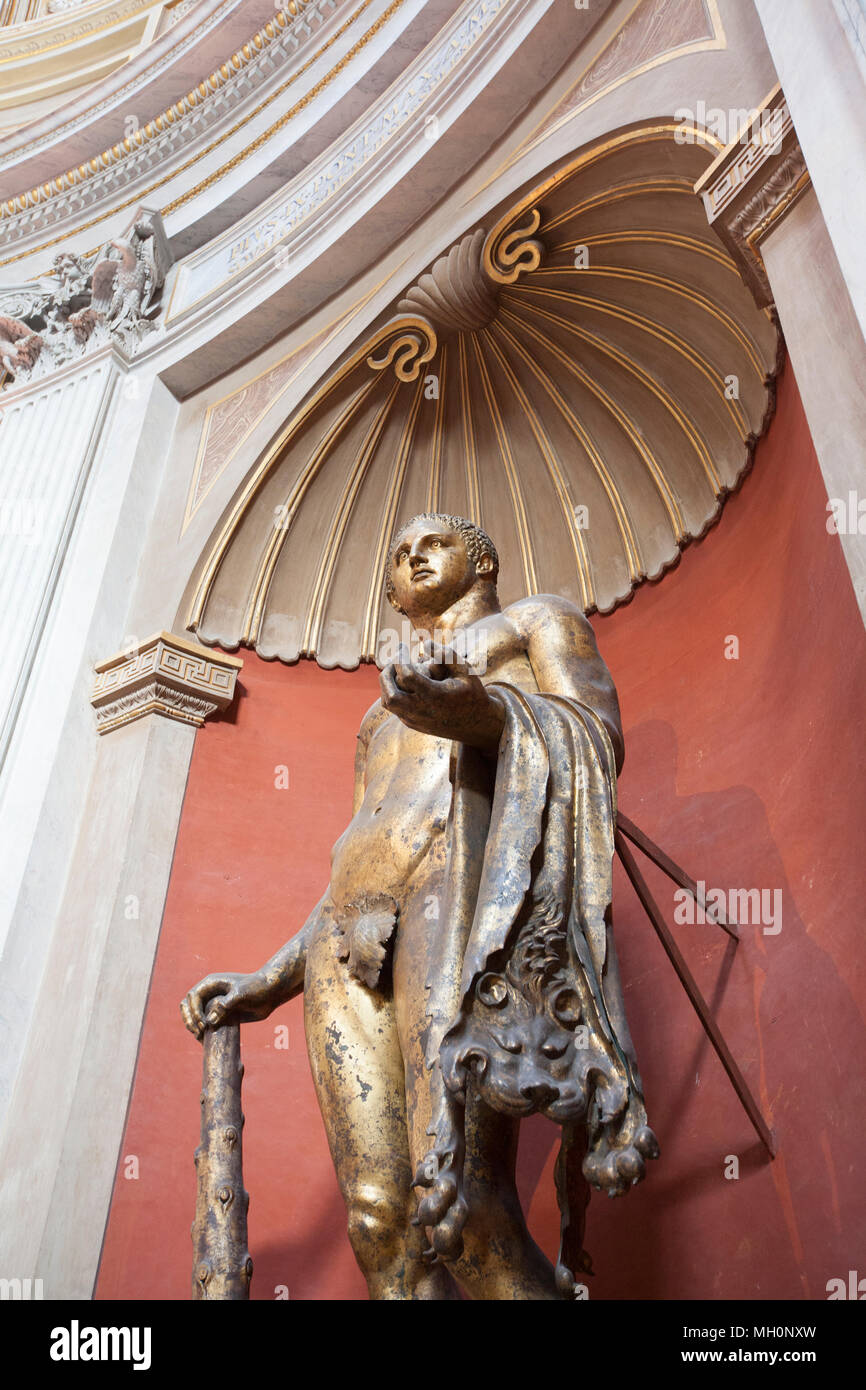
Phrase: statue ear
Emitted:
{"points": [[484, 565]]}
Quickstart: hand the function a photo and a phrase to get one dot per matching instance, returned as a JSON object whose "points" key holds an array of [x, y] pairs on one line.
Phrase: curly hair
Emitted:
{"points": [[477, 542]]}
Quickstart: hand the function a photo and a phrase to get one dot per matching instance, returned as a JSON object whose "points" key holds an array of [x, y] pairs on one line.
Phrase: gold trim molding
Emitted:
{"points": [[460, 293], [166, 675], [753, 183], [29, 38]]}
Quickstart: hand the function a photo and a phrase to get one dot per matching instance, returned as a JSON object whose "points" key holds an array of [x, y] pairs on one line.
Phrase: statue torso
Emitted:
{"points": [[407, 792]]}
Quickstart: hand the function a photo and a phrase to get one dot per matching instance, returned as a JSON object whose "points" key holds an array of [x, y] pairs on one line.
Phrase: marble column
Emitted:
{"points": [[50, 432], [817, 51], [65, 1123], [760, 198]]}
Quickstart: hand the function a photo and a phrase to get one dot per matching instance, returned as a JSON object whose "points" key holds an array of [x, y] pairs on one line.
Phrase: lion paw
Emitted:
{"points": [[443, 1208], [618, 1150]]}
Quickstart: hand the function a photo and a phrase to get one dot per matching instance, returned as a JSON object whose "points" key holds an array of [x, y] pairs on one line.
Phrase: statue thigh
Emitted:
{"points": [[358, 1071]]}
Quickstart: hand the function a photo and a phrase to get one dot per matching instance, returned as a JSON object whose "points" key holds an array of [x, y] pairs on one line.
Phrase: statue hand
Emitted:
{"points": [[219, 999], [440, 696]]}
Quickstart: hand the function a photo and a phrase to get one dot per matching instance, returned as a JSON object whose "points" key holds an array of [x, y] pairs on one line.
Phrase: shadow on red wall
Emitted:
{"points": [[745, 762]]}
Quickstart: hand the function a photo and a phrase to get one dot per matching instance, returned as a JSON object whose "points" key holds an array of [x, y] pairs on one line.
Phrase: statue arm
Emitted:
{"points": [[565, 659], [238, 998], [284, 972]]}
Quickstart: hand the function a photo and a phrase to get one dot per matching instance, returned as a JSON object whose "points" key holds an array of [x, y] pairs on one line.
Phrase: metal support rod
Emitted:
{"points": [[667, 865], [222, 1267], [702, 1009]]}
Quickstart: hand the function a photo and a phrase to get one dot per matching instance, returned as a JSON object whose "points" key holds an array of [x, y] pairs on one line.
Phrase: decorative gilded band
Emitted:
{"points": [[12, 207]]}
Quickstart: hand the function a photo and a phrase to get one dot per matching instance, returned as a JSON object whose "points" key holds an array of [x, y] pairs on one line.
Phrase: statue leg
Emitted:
{"points": [[359, 1076], [500, 1259]]}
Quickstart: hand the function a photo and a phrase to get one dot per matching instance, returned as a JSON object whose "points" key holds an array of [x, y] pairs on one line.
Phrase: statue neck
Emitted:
{"points": [[479, 602]]}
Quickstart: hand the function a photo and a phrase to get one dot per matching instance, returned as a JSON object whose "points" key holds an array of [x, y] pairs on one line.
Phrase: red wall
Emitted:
{"points": [[749, 772]]}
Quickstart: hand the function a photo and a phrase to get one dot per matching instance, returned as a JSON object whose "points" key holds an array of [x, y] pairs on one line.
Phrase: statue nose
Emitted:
{"points": [[539, 1093]]}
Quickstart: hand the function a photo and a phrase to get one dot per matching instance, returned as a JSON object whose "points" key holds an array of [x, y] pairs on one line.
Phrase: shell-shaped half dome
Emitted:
{"points": [[585, 376]]}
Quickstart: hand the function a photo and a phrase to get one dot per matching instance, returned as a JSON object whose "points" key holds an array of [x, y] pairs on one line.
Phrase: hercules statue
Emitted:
{"points": [[459, 973]]}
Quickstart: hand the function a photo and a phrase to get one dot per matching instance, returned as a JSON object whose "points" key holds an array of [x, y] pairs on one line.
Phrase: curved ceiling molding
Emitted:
{"points": [[587, 380], [653, 32], [49, 51], [189, 42], [164, 127]]}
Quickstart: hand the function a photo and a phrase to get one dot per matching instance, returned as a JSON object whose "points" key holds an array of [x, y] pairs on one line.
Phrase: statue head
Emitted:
{"points": [[67, 266], [435, 559]]}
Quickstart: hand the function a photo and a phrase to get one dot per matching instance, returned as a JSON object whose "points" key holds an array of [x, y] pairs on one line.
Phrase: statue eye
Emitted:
{"points": [[434, 545], [566, 1008]]}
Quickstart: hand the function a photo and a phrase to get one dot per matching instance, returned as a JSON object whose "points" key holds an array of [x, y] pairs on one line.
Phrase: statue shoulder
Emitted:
{"points": [[531, 615]]}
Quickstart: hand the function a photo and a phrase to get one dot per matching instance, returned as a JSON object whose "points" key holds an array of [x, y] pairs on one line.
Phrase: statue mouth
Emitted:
{"points": [[564, 1108]]}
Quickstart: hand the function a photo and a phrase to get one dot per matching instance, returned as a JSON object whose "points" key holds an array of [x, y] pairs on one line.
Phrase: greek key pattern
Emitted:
{"points": [[749, 158], [752, 185], [165, 675]]}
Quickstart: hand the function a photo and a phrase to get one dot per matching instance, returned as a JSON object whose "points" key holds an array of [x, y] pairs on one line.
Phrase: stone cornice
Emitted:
{"points": [[165, 675], [752, 184]]}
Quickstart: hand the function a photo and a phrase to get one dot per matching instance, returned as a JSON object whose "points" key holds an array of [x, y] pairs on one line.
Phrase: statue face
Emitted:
{"points": [[431, 568]]}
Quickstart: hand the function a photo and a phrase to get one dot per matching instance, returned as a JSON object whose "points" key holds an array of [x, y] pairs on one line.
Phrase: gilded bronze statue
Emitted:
{"points": [[459, 973]]}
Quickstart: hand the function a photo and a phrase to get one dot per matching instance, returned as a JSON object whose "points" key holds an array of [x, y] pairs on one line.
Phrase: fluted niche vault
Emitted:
{"points": [[585, 375]]}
